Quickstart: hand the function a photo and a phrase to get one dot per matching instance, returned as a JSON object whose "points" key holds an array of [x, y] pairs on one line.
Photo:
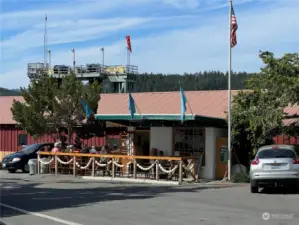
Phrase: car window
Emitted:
{"points": [[279, 153], [46, 148], [31, 148]]}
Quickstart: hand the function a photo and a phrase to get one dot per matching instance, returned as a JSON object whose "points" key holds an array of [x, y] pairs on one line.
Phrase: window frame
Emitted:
{"points": [[25, 139], [188, 139]]}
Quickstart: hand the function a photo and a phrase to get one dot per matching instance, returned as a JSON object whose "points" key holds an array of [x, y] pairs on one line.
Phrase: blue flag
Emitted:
{"points": [[131, 106], [87, 109], [183, 104]]}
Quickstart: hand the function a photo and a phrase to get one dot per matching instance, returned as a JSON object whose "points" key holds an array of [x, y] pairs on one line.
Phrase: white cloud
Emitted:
{"points": [[190, 50], [183, 3], [71, 31], [61, 10]]}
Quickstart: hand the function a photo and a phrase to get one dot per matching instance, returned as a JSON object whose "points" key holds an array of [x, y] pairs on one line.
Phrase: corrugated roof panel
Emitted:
{"points": [[203, 103]]}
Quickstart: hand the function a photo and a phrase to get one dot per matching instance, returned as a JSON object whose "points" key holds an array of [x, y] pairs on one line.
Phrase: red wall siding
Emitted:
{"points": [[9, 139], [284, 139]]}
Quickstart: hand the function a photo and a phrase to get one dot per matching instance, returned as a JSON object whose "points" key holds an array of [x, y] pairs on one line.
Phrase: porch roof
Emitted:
{"points": [[160, 119], [171, 117]]}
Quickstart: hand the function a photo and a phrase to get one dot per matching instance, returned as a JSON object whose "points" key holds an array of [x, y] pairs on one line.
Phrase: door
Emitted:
{"points": [[221, 157]]}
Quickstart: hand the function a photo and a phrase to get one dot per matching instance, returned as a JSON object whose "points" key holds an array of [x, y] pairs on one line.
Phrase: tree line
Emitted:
{"points": [[208, 80]]}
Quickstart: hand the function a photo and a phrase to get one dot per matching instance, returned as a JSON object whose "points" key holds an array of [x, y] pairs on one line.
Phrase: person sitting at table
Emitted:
{"points": [[93, 150], [57, 147]]}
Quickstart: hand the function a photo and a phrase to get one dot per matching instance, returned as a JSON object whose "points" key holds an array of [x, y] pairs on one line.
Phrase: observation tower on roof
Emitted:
{"points": [[115, 79]]}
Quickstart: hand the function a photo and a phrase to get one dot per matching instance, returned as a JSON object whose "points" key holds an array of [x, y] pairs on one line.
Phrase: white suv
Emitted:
{"points": [[274, 165]]}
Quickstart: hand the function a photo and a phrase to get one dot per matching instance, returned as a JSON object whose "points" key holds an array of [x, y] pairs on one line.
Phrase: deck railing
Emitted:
{"points": [[108, 165]]}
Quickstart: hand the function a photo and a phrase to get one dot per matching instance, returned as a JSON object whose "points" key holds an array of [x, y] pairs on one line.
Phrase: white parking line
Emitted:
{"points": [[40, 215]]}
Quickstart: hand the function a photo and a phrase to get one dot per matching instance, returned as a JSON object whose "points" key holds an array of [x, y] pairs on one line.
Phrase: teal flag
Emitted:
{"points": [[183, 104], [87, 109], [131, 105]]}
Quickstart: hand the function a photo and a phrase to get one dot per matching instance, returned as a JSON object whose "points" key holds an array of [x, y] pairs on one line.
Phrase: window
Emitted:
{"points": [[280, 153], [22, 139], [113, 141], [189, 142]]}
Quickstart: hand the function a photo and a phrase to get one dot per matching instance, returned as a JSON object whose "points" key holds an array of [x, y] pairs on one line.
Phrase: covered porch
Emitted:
{"points": [[159, 135]]}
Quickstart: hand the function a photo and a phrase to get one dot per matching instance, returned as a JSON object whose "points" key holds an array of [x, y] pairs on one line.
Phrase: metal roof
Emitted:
{"points": [[152, 105]]}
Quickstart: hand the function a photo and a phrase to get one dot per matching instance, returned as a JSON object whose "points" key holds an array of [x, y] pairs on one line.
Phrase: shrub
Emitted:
{"points": [[240, 178]]}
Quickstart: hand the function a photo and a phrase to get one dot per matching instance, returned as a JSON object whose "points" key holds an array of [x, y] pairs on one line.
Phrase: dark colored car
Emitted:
{"points": [[19, 160]]}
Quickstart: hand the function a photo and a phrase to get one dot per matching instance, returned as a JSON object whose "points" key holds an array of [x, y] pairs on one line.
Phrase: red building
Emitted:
{"points": [[206, 104], [12, 138]]}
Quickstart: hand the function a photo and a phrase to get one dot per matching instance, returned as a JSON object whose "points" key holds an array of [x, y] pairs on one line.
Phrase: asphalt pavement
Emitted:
{"points": [[50, 200]]}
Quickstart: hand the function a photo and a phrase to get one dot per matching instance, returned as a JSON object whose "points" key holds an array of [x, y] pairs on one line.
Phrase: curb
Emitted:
{"points": [[130, 180], [227, 184]]}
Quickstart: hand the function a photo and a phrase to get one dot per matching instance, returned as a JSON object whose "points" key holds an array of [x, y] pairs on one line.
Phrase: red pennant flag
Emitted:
{"points": [[128, 38]]}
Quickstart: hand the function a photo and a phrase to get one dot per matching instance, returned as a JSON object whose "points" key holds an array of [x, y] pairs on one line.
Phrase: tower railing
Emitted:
{"points": [[35, 70]]}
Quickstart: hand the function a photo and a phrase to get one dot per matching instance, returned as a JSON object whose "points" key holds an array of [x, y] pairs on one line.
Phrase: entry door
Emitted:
{"points": [[221, 157]]}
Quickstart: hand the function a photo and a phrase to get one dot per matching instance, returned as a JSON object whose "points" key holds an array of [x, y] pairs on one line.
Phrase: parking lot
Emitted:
{"points": [[49, 200]]}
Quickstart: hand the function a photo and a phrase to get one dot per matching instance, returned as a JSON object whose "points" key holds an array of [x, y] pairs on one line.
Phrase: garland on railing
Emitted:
{"points": [[46, 163], [117, 164], [146, 168], [86, 166], [63, 162], [102, 164], [168, 171], [188, 167]]}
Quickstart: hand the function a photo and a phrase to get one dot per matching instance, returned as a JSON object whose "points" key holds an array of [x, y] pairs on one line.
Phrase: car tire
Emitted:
{"points": [[26, 168], [254, 188], [12, 170]]}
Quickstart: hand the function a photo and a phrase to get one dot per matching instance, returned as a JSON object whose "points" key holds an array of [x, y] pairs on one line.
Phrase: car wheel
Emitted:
{"points": [[254, 188], [26, 168], [12, 170]]}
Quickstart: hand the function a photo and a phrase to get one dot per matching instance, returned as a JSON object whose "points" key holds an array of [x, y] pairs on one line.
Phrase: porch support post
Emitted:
{"points": [[180, 172], [74, 166], [157, 170]]}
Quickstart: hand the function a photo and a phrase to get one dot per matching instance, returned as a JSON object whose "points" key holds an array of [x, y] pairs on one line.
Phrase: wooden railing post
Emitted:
{"points": [[113, 168], [38, 165], [56, 165], [93, 166], [180, 171], [74, 167], [134, 168], [157, 169]]}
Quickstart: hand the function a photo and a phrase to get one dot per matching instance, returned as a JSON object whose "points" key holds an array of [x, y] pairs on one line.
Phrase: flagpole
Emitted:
{"points": [[45, 43], [229, 93], [128, 57]]}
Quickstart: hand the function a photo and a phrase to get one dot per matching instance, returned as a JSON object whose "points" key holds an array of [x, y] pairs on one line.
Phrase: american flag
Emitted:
{"points": [[234, 28]]}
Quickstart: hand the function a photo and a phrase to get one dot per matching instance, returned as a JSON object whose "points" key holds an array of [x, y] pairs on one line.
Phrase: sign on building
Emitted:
{"points": [[223, 154]]}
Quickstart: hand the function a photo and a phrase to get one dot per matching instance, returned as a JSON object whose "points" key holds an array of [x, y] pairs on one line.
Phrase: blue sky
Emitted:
{"points": [[168, 36]]}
